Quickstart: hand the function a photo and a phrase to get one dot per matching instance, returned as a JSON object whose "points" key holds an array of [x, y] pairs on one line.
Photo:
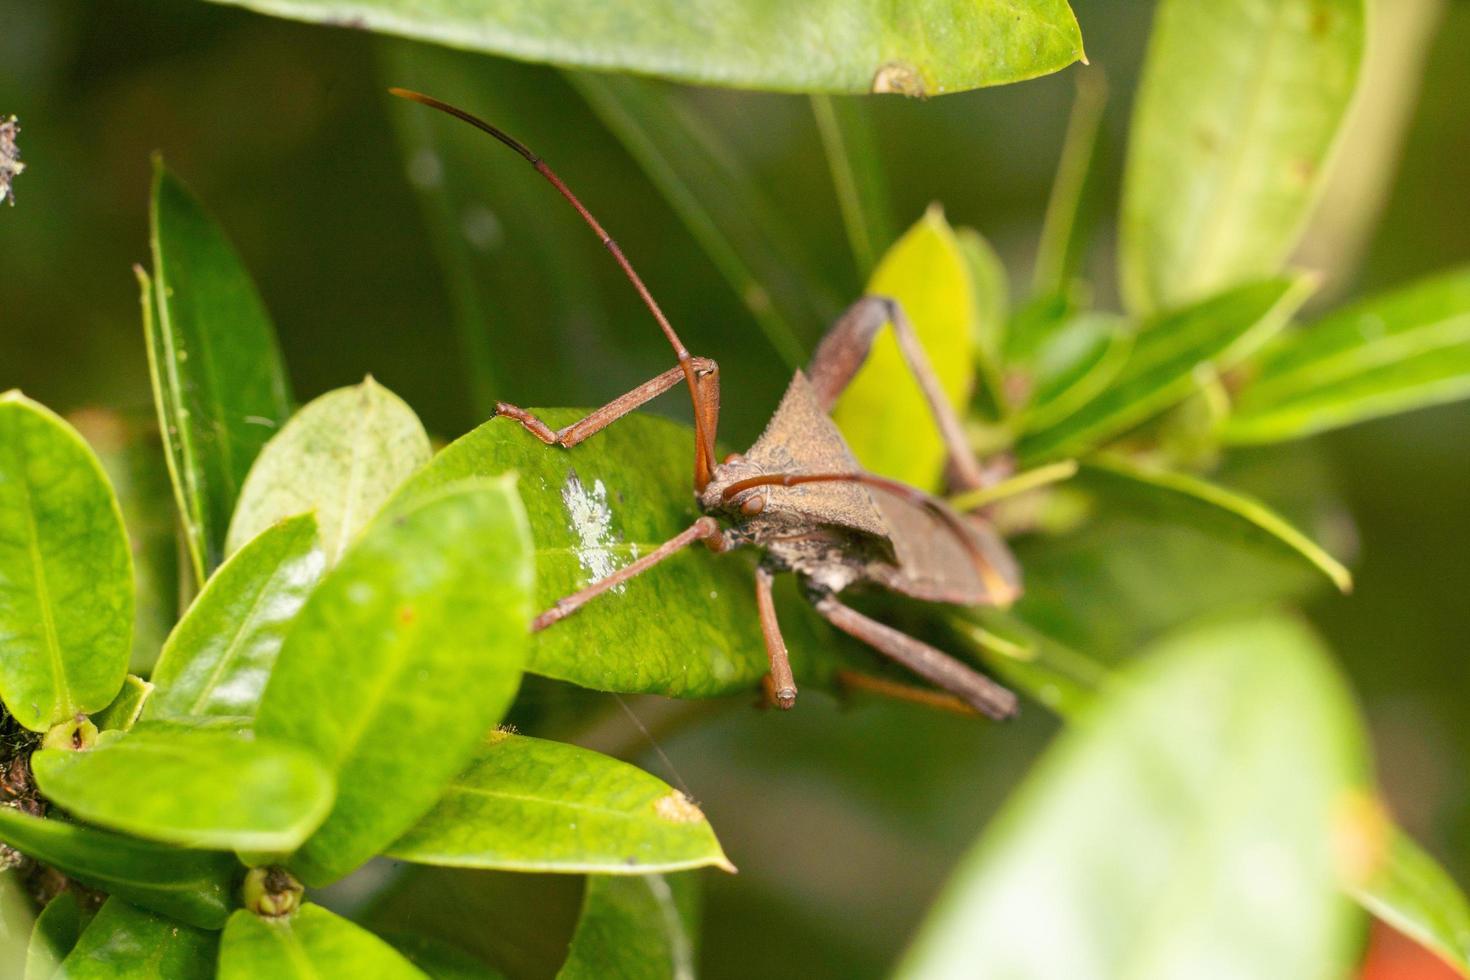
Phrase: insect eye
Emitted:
{"points": [[753, 505]]}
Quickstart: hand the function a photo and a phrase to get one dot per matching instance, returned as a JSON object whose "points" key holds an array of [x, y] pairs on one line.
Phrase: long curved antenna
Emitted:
{"points": [[1001, 590], [704, 440]]}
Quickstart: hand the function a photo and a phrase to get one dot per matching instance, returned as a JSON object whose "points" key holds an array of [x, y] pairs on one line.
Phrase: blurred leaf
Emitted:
{"points": [[943, 46], [125, 709], [1063, 242], [1412, 893], [66, 573], [1124, 851], [305, 945], [1207, 507], [1051, 673], [219, 657], [687, 627], [990, 285], [56, 931], [1391, 353], [191, 788], [535, 805], [191, 886], [1079, 359], [883, 413], [440, 960], [1165, 359], [124, 942], [402, 659], [636, 928], [1234, 122], [17, 922], [699, 174], [218, 380], [340, 457], [851, 146]]}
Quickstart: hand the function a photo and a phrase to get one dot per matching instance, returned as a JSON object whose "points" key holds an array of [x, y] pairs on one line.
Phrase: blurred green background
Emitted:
{"points": [[844, 820]]}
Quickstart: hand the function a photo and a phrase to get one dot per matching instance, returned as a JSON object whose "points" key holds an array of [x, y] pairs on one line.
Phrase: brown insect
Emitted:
{"points": [[800, 495]]}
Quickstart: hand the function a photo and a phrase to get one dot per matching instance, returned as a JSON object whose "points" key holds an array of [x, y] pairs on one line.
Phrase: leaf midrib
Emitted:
{"points": [[62, 701]]}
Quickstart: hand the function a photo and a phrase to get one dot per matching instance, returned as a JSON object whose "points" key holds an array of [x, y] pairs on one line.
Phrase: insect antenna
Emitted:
{"points": [[995, 585], [704, 439]]}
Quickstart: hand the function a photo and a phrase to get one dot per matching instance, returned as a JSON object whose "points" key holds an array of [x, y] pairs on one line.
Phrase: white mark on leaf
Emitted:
{"points": [[591, 521]]}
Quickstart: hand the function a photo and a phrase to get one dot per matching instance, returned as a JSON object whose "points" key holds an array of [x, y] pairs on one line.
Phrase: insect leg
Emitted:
{"points": [[975, 689], [844, 349], [782, 686], [704, 529]]}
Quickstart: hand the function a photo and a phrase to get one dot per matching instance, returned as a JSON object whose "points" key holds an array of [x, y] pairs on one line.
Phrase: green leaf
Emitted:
{"points": [[1239, 107], [191, 886], [883, 413], [1051, 673], [1124, 851], [217, 660], [1076, 362], [66, 573], [635, 928], [1412, 893], [127, 707], [124, 942], [1392, 353], [1206, 506], [407, 653], [534, 805], [699, 173], [57, 928], [192, 788], [340, 457], [687, 627], [930, 48], [441, 960], [1162, 366], [308, 944], [218, 380], [851, 145], [990, 284]]}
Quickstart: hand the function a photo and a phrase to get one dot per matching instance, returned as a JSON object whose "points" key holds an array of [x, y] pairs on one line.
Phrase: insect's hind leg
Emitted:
{"points": [[846, 346], [935, 666], [780, 684], [568, 436]]}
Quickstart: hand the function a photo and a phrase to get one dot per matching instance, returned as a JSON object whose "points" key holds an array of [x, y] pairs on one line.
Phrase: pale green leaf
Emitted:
{"points": [[219, 657], [883, 412], [402, 659], [1412, 893], [339, 457], [193, 788], [218, 380], [307, 945], [127, 943], [127, 707], [534, 805], [930, 47], [66, 573], [1239, 107], [1181, 828], [638, 928]]}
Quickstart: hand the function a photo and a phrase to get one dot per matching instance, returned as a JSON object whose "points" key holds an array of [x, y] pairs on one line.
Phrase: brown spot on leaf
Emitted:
{"points": [[678, 808], [899, 78]]}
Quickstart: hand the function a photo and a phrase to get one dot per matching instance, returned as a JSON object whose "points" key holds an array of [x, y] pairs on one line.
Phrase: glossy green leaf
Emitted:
{"points": [[339, 457], [191, 886], [636, 928], [1412, 893], [1200, 791], [217, 660], [699, 172], [1239, 107], [883, 413], [192, 788], [57, 928], [66, 573], [851, 145], [127, 707], [404, 657], [1391, 353], [218, 380], [124, 943], [1165, 360], [532, 805], [935, 47], [308, 944], [1209, 507], [686, 628]]}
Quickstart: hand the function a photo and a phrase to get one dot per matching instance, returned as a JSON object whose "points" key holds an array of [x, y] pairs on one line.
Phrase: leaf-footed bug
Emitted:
{"points": [[800, 496]]}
